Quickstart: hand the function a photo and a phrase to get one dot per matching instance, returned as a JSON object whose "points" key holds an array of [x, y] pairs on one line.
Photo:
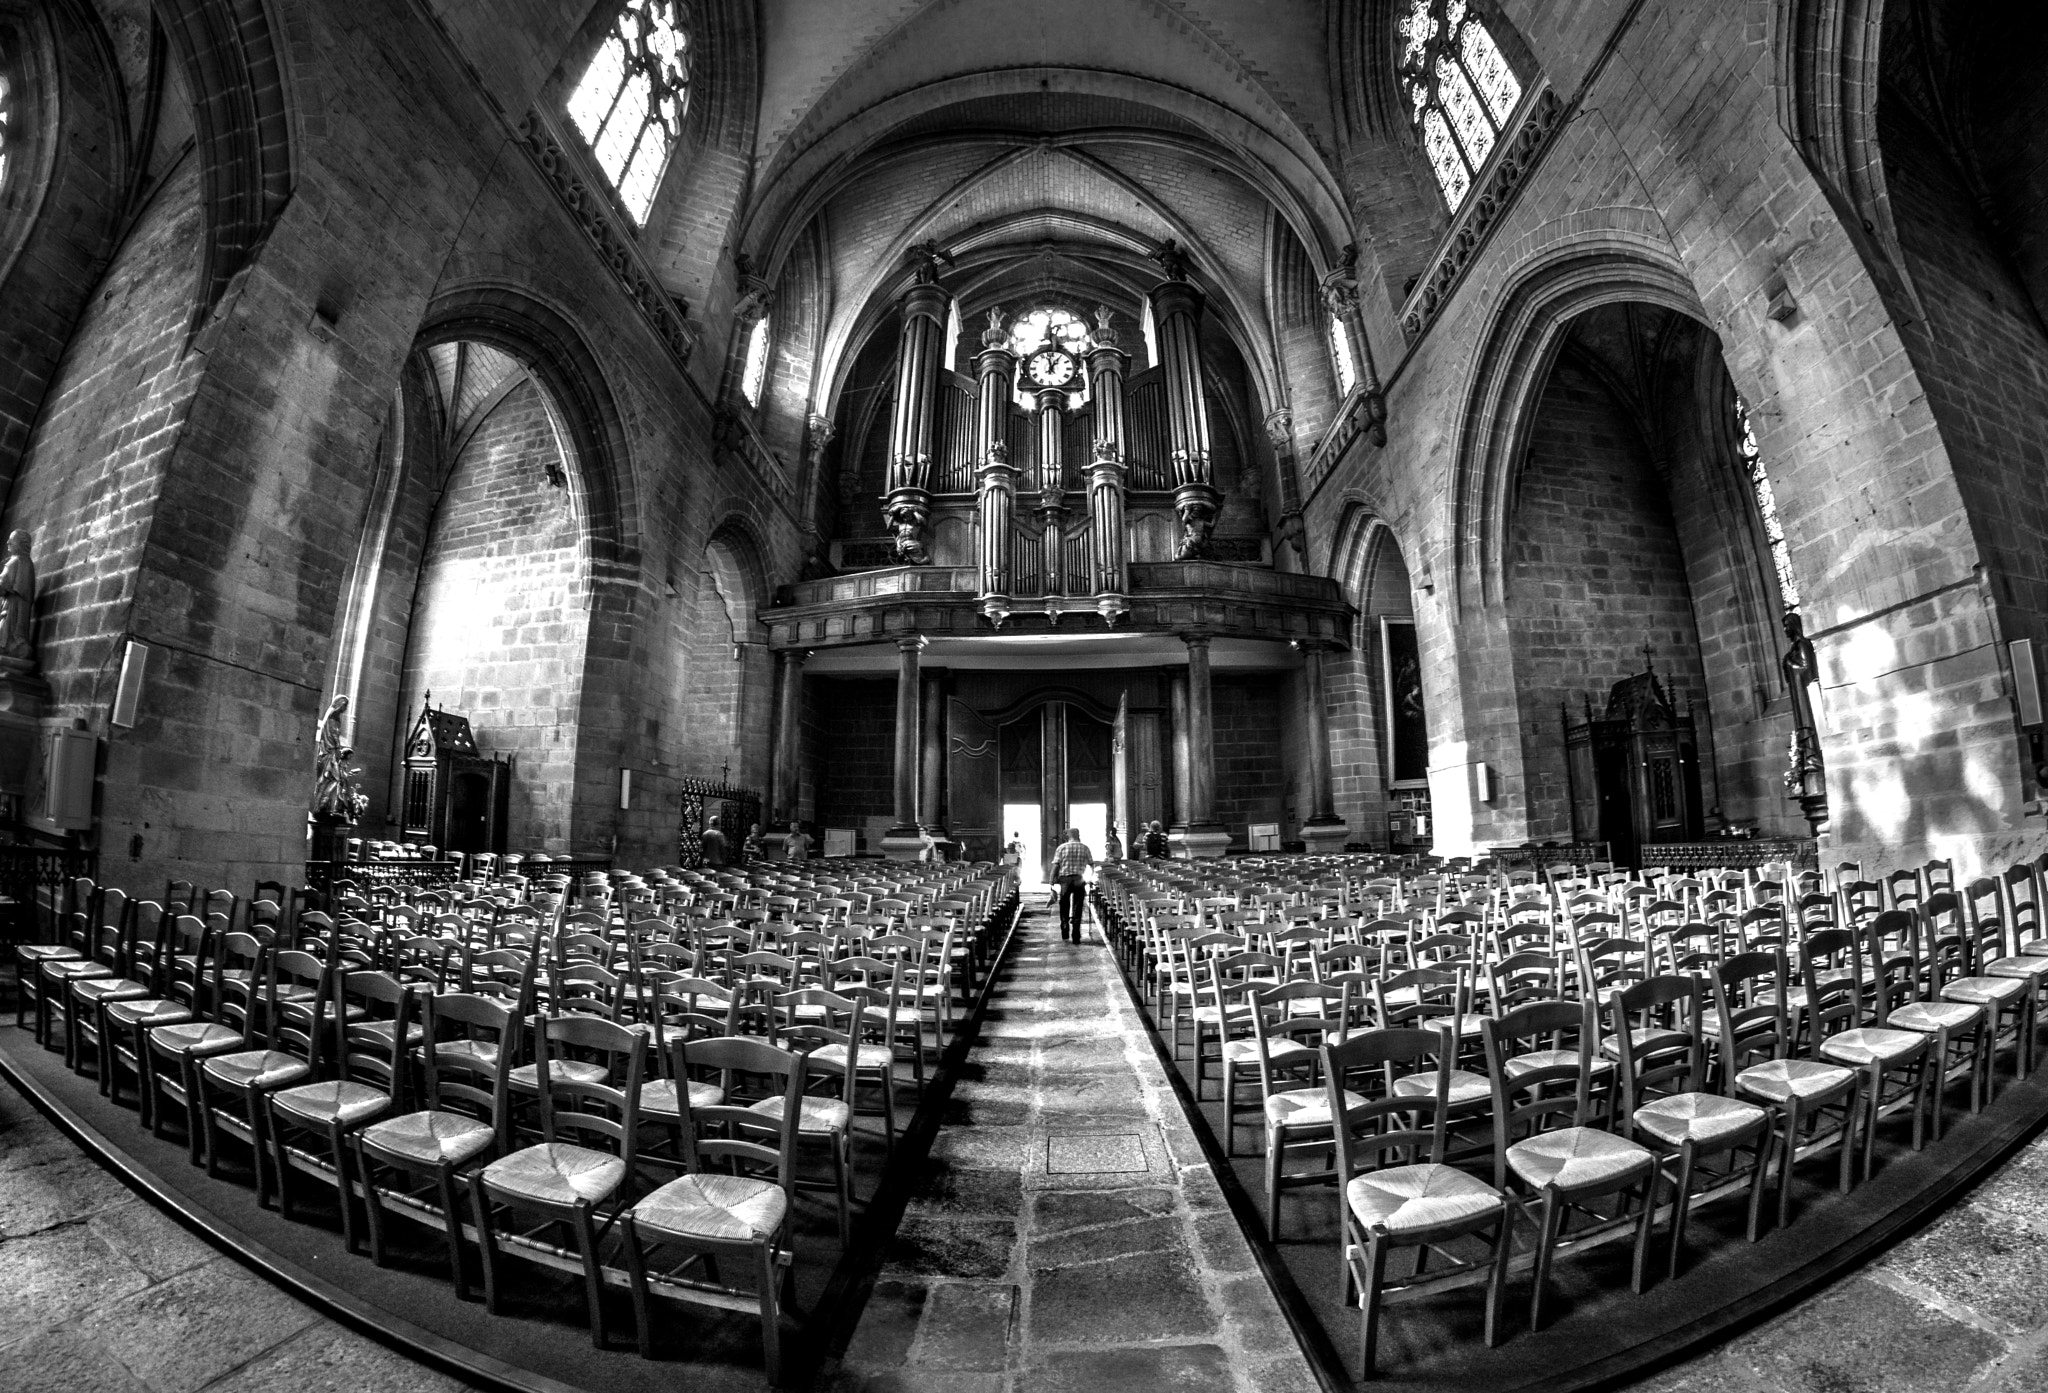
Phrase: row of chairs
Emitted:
{"points": [[591, 1118]]}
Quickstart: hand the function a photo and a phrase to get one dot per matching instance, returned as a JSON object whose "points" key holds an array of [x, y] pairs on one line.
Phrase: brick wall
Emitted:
{"points": [[1250, 784], [854, 771]]}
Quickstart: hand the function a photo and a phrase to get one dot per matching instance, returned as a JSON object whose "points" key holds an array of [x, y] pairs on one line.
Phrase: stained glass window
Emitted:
{"points": [[756, 371], [1460, 90], [6, 112], [1031, 330], [1340, 354], [1766, 504], [631, 100]]}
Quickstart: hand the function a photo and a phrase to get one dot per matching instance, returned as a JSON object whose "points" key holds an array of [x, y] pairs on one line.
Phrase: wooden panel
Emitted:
{"points": [[971, 782]]}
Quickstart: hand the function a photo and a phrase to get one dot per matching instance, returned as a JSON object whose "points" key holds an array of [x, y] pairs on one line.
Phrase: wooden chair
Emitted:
{"points": [[232, 1087], [734, 1199], [1416, 1201], [1543, 1144], [466, 1066], [1664, 1103], [581, 1187]]}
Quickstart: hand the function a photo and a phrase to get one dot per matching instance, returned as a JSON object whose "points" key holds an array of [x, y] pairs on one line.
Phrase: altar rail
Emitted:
{"points": [[1742, 853]]}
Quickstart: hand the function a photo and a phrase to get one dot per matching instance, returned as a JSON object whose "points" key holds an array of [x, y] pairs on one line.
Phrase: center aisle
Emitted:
{"points": [[1067, 1232]]}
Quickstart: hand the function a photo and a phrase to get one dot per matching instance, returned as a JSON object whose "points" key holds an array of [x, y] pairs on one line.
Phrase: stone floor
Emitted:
{"points": [[1067, 1235]]}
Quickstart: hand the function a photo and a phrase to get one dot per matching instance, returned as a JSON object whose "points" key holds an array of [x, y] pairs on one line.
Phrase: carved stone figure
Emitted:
{"points": [[18, 600], [906, 521], [1801, 668], [336, 797], [1171, 259], [1197, 520]]}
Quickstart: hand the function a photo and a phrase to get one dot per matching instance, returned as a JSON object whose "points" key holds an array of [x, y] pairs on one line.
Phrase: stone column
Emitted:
{"points": [[1176, 321], [1287, 465], [932, 759], [995, 368], [1107, 536], [785, 783], [905, 841], [1204, 836], [1324, 832], [906, 508], [1177, 712]]}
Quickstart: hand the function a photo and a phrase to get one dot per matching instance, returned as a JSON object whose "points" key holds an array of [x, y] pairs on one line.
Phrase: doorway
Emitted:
{"points": [[1093, 820], [1020, 823]]}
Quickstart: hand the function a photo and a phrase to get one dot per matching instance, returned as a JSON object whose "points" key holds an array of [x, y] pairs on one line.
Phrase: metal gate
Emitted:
{"points": [[736, 809]]}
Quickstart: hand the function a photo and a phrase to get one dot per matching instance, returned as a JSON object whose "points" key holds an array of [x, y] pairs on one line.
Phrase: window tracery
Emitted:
{"points": [[631, 101], [1766, 504], [1459, 89], [1340, 354], [755, 374], [1034, 327], [6, 130]]}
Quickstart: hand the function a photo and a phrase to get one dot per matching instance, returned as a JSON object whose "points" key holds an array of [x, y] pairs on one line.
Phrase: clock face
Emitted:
{"points": [[1050, 368]]}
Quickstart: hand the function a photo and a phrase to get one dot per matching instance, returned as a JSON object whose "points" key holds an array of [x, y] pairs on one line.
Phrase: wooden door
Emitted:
{"points": [[973, 782]]}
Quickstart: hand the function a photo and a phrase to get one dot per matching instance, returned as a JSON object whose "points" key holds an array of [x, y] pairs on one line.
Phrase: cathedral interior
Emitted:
{"points": [[1416, 485]]}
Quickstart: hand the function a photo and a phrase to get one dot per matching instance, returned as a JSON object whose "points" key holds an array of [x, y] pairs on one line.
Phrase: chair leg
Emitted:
{"points": [[1546, 1243], [1764, 1140], [374, 1209], [1275, 1144], [1791, 1148], [1870, 1110], [842, 1162], [1639, 1277], [1369, 1311], [1681, 1202], [1849, 1116], [486, 1241], [451, 1227], [344, 1184], [636, 1274], [771, 1313], [593, 1276], [1497, 1280]]}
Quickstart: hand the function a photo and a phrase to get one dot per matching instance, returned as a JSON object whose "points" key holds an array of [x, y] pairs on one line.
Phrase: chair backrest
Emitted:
{"points": [[732, 1137], [594, 1112], [1658, 1039], [1520, 978], [1831, 966], [1749, 1000], [1421, 994], [1411, 1125], [297, 1024], [374, 1046], [1528, 1100], [479, 1079]]}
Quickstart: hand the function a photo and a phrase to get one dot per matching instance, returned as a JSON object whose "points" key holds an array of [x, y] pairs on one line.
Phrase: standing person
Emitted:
{"points": [[1157, 848], [715, 853], [750, 849], [1013, 853], [1070, 863], [798, 846]]}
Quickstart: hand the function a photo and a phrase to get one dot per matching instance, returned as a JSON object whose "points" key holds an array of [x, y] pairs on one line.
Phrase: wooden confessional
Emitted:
{"points": [[1634, 772], [456, 797]]}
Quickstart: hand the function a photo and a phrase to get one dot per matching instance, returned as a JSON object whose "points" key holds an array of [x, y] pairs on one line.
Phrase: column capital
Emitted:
{"points": [[1315, 645], [1280, 427], [911, 643], [793, 657], [1195, 636]]}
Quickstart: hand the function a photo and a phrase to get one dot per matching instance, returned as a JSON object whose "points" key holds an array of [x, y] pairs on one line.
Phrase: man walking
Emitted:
{"points": [[1070, 863], [1157, 848]]}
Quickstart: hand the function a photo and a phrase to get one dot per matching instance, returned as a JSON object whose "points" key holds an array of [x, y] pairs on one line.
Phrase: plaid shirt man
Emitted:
{"points": [[1071, 858]]}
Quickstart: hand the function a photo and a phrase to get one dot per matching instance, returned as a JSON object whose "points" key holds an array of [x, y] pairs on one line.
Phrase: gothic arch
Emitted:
{"points": [[734, 557], [554, 351], [1509, 370]]}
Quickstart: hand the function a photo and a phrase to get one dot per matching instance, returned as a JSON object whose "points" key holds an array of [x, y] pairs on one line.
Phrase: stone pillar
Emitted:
{"points": [[932, 759], [1204, 836], [1287, 465], [906, 508], [1177, 704], [995, 368], [1324, 832], [1107, 536], [785, 781], [905, 841], [1177, 322]]}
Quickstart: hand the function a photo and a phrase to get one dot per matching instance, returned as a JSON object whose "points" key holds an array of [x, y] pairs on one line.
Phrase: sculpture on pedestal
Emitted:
{"points": [[1805, 775], [337, 798], [18, 603]]}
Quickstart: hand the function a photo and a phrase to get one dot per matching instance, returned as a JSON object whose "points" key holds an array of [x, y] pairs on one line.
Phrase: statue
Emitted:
{"points": [[336, 798], [906, 520], [1805, 775], [924, 259], [18, 601], [1197, 521]]}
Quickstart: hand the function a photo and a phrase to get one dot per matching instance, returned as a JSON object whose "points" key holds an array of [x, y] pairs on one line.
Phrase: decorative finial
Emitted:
{"points": [[1648, 654], [995, 335], [1104, 335]]}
